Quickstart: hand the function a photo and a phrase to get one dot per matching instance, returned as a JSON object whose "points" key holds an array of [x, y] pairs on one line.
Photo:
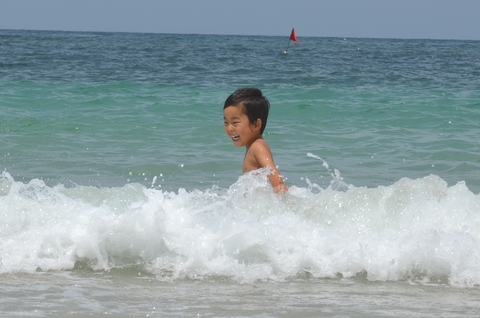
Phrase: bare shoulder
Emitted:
{"points": [[262, 153], [260, 145], [258, 156]]}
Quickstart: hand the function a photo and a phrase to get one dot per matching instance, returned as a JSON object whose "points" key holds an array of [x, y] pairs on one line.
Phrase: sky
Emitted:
{"points": [[405, 19]]}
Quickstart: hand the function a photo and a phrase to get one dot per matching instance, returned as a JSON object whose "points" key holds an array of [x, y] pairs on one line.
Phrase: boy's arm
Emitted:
{"points": [[263, 155], [277, 181]]}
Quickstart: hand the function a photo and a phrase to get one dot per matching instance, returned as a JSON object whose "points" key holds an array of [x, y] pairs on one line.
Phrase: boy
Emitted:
{"points": [[245, 116]]}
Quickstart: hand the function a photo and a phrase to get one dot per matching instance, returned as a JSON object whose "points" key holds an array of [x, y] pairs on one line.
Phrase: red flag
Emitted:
{"points": [[293, 36]]}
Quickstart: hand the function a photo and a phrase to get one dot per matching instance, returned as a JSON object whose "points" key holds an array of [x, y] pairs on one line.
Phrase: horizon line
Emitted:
{"points": [[252, 35]]}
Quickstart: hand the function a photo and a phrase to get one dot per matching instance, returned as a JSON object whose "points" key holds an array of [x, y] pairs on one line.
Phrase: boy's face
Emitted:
{"points": [[238, 127]]}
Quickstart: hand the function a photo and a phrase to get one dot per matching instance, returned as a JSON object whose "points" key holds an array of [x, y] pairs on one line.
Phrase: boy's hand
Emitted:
{"points": [[280, 188]]}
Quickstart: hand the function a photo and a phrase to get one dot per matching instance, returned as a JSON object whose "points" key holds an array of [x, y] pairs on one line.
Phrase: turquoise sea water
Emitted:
{"points": [[116, 167], [92, 108]]}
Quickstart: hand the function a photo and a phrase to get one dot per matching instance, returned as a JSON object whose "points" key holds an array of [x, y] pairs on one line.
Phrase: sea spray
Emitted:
{"points": [[420, 230], [336, 183]]}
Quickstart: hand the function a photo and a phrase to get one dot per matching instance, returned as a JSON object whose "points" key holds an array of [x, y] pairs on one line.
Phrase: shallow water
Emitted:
{"points": [[121, 294]]}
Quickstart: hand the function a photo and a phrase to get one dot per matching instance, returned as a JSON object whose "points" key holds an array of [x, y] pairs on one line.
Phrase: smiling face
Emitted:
{"points": [[238, 127]]}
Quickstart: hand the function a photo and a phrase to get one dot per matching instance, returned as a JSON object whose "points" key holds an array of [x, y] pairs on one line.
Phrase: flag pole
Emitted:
{"points": [[286, 50]]}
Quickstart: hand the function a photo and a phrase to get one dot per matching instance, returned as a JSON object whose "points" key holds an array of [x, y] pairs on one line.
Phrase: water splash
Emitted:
{"points": [[419, 230], [337, 182]]}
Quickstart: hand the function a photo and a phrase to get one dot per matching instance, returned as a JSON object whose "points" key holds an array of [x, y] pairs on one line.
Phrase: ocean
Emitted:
{"points": [[121, 195]]}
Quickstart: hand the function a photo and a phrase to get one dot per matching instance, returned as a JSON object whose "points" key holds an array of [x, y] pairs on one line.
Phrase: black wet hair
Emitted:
{"points": [[253, 104]]}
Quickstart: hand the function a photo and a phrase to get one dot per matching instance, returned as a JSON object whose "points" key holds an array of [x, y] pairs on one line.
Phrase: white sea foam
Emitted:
{"points": [[420, 230]]}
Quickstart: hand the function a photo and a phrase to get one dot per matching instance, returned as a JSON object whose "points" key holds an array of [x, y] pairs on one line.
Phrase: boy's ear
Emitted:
{"points": [[258, 124]]}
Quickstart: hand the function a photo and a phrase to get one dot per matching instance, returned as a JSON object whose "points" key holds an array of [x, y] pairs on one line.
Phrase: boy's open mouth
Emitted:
{"points": [[235, 138]]}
